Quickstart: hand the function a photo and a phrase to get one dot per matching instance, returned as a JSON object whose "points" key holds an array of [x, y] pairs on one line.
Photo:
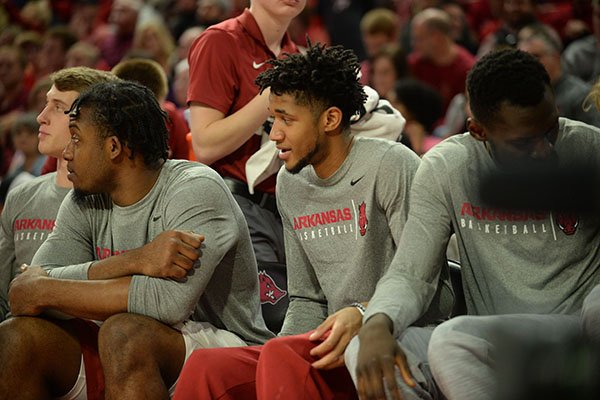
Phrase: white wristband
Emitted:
{"points": [[362, 309]]}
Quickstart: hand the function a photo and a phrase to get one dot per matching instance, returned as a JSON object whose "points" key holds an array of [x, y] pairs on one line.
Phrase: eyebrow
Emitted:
{"points": [[281, 111], [57, 101]]}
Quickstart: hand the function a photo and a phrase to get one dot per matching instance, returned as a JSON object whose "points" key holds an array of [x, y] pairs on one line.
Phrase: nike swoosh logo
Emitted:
{"points": [[257, 66], [355, 181], [156, 218]]}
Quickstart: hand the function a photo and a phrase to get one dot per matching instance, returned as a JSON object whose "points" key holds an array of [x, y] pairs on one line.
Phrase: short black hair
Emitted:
{"points": [[130, 112], [323, 77], [511, 76], [422, 101]]}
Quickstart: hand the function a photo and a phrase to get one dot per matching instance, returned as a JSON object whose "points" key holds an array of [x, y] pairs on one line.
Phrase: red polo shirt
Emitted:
{"points": [[224, 62]]}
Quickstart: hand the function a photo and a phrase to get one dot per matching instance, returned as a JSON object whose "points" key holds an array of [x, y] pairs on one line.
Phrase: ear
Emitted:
{"points": [[331, 119], [476, 130], [114, 147]]}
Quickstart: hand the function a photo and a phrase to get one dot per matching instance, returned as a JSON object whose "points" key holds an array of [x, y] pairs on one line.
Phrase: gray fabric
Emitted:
{"points": [[511, 262], [590, 314], [341, 233], [27, 220], [464, 352], [414, 343], [223, 288], [570, 93], [582, 59]]}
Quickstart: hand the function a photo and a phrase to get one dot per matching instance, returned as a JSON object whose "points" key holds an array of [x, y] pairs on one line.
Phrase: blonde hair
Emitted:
{"points": [[593, 98]]}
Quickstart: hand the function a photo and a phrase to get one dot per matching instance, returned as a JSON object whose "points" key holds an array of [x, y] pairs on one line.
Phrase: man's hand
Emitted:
{"points": [[171, 254], [338, 329], [378, 356], [23, 293]]}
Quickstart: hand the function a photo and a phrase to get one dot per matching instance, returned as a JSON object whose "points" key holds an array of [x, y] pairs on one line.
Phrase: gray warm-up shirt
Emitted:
{"points": [[512, 262], [223, 288], [341, 232], [27, 220]]}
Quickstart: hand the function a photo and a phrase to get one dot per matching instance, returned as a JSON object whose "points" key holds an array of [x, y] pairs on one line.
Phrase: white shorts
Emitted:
{"points": [[196, 335]]}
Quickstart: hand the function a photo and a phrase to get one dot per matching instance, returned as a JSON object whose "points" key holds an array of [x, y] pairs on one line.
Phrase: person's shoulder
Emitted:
{"points": [[30, 187], [585, 44], [385, 150], [185, 170], [455, 150], [573, 130]]}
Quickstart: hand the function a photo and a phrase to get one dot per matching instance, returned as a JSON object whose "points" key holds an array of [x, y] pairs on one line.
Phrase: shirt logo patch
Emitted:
{"points": [[269, 291], [567, 222], [362, 219], [355, 181], [256, 65]]}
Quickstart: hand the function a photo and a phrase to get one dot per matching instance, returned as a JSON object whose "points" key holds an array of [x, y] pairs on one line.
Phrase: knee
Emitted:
{"points": [[123, 339], [590, 314], [287, 347], [19, 336], [445, 340]]}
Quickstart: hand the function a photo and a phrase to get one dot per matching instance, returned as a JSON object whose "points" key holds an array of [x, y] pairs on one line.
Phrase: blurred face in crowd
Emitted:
{"points": [[54, 123], [383, 76], [11, 72], [287, 9], [519, 13]]}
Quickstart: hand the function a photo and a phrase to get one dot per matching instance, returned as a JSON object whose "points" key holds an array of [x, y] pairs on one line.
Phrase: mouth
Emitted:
{"points": [[42, 134], [283, 153]]}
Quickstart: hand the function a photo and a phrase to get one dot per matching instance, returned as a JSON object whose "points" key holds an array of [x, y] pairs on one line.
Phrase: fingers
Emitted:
{"points": [[334, 358], [191, 239], [405, 370], [322, 329], [329, 344], [370, 384]]}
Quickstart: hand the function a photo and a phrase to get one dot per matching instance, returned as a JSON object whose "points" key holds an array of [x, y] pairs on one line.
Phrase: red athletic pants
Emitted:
{"points": [[281, 369]]}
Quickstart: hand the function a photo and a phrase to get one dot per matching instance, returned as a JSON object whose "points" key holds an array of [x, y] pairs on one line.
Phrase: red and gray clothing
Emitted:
{"points": [[223, 289], [224, 63], [27, 219], [341, 235], [514, 264]]}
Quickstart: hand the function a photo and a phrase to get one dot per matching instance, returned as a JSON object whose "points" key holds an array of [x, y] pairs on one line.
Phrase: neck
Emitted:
{"points": [[272, 28], [337, 151], [61, 174], [132, 184]]}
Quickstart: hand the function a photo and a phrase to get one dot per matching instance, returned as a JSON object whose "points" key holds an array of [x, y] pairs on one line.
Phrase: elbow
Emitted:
{"points": [[203, 152]]}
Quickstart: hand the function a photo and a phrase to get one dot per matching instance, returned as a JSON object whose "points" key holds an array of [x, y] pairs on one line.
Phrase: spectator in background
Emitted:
{"points": [[436, 59], [421, 106], [53, 53], [150, 74], [37, 95], [460, 31], [516, 14], [570, 92], [27, 161], [211, 12], [378, 27], [582, 57], [185, 41], [154, 38], [30, 43], [116, 39], [181, 83], [13, 95], [82, 19], [388, 65], [83, 54]]}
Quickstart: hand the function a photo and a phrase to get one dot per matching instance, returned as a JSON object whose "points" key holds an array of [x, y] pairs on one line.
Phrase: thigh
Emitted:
{"points": [[41, 351]]}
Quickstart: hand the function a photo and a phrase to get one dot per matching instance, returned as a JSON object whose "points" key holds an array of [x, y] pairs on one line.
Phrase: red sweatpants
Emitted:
{"points": [[281, 369]]}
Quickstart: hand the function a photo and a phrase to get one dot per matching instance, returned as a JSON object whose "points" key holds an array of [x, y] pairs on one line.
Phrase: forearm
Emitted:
{"points": [[95, 300], [213, 140], [125, 264]]}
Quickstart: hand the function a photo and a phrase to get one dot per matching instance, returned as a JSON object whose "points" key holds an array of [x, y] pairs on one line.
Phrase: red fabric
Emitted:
{"points": [[50, 165], [281, 369], [448, 80], [178, 128], [87, 334], [224, 80]]}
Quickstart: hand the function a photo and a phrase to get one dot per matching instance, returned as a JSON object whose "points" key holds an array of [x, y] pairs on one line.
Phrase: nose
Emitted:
{"points": [[67, 153], [543, 150], [41, 118], [276, 134]]}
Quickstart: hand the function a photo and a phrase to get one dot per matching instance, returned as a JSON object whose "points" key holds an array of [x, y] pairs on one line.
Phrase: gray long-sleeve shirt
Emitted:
{"points": [[512, 262], [27, 219], [341, 232], [223, 288]]}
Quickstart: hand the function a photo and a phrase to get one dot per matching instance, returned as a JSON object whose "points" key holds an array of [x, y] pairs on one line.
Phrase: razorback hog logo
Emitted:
{"points": [[269, 291], [567, 222], [362, 218]]}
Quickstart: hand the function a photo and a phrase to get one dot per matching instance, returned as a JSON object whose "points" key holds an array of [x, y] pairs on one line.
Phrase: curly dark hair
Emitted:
{"points": [[512, 76], [130, 112], [323, 77]]}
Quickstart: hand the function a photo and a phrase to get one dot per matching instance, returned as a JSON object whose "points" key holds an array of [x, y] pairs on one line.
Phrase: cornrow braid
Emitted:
{"points": [[130, 112], [323, 77]]}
